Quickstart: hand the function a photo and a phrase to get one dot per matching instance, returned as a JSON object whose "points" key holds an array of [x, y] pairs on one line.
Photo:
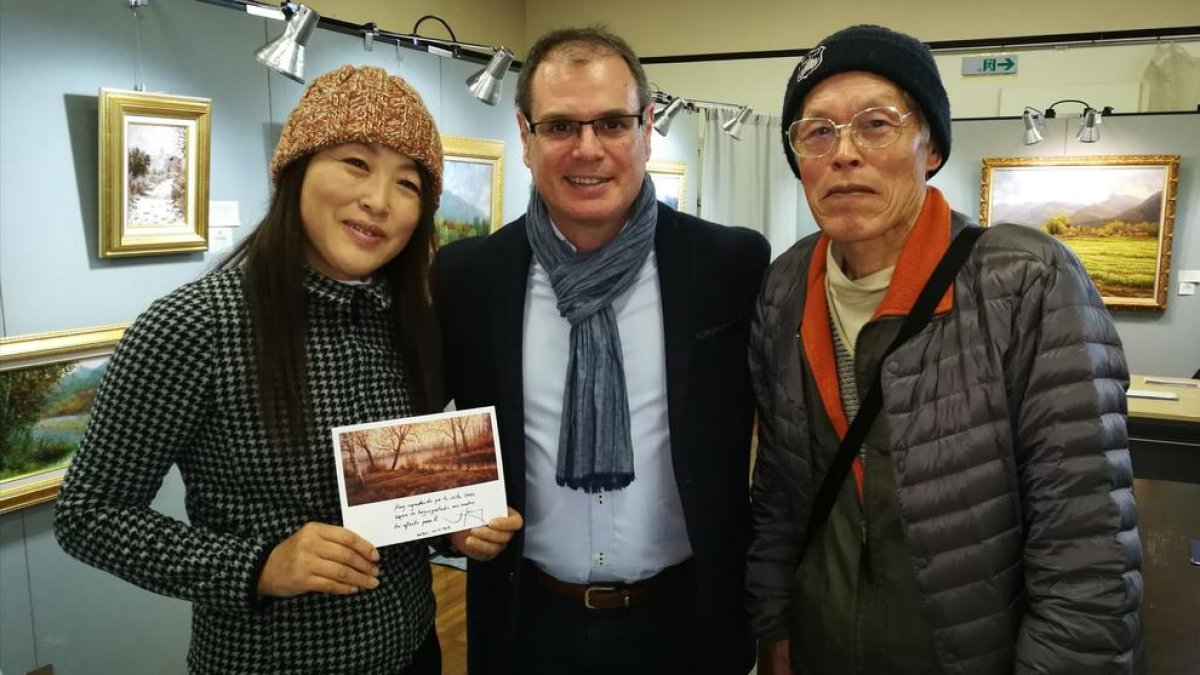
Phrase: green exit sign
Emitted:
{"points": [[989, 65]]}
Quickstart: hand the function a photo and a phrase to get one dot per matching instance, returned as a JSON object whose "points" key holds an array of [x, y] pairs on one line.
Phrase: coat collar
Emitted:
{"points": [[922, 251], [673, 252], [508, 283], [328, 291]]}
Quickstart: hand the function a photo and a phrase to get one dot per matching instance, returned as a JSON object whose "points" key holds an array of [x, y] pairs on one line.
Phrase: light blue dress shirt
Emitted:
{"points": [[624, 535]]}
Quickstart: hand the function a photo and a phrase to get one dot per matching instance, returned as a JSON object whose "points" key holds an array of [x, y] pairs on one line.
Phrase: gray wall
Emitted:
{"points": [[54, 56], [1156, 343]]}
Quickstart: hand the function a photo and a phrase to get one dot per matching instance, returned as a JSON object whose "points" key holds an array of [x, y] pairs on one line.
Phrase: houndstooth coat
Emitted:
{"points": [[180, 390]]}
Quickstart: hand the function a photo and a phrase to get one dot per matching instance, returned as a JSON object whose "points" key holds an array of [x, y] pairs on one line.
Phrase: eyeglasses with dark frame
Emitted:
{"points": [[611, 128], [872, 128]]}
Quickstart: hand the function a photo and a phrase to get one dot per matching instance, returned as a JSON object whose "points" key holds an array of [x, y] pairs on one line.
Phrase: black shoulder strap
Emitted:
{"points": [[916, 320]]}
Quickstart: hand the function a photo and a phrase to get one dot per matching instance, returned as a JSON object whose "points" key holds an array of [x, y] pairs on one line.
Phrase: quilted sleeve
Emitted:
{"points": [[773, 555], [1082, 555], [150, 405]]}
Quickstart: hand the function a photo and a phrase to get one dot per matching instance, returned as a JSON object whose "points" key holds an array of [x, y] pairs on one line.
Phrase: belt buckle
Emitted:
{"points": [[587, 595]]}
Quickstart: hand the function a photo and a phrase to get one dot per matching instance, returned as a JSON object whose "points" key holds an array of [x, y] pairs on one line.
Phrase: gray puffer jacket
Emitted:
{"points": [[1005, 422]]}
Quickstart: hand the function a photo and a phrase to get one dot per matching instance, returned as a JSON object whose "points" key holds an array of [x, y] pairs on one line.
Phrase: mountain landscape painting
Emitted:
{"points": [[1115, 214], [466, 201], [472, 180]]}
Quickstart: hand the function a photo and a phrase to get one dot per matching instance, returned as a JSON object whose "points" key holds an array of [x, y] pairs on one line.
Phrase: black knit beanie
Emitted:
{"points": [[900, 58]]}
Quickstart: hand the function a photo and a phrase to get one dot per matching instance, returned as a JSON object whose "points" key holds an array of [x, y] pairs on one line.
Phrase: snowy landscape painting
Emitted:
{"points": [[154, 171], [156, 174]]}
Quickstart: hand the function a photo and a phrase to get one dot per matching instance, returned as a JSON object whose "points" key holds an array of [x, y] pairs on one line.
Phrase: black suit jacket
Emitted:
{"points": [[709, 277]]}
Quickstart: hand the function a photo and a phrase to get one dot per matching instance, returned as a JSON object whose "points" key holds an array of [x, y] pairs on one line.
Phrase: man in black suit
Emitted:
{"points": [[611, 334]]}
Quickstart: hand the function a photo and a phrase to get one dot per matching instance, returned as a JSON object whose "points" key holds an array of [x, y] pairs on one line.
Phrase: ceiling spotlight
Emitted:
{"points": [[1089, 131], [1090, 119], [1035, 125], [285, 54], [734, 126], [662, 122], [487, 84], [369, 33]]}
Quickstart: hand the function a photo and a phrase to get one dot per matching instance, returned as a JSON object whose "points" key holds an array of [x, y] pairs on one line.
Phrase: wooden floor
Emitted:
{"points": [[1167, 520], [450, 586]]}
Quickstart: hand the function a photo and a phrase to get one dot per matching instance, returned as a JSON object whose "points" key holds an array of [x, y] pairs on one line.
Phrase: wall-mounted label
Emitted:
{"points": [[223, 214], [265, 12], [1190, 276], [220, 239], [1187, 288], [989, 65]]}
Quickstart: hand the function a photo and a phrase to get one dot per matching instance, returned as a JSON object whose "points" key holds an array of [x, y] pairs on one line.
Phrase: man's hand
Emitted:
{"points": [[485, 543], [320, 558], [773, 658]]}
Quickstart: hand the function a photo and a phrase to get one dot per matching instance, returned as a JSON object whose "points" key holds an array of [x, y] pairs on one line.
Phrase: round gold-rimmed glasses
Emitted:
{"points": [[814, 137]]}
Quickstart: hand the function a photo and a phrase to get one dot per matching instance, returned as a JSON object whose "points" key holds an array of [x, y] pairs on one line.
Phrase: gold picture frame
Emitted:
{"points": [[154, 171], [472, 188], [1117, 213], [670, 183], [48, 382]]}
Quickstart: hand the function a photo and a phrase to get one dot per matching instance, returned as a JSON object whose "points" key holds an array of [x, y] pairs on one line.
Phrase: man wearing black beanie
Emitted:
{"points": [[943, 481]]}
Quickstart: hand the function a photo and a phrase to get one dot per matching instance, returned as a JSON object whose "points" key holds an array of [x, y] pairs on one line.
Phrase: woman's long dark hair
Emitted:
{"points": [[273, 261]]}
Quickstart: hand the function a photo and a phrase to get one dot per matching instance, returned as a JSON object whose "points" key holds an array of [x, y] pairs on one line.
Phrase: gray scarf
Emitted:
{"points": [[595, 448]]}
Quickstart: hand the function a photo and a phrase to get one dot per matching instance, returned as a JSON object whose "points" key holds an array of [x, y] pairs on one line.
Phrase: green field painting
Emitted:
{"points": [[1119, 266]]}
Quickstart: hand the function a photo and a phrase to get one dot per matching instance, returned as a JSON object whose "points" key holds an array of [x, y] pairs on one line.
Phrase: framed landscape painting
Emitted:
{"points": [[153, 173], [670, 183], [1117, 214], [48, 382], [472, 185]]}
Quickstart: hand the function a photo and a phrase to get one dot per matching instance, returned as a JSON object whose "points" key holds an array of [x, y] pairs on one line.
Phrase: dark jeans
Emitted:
{"points": [[428, 659], [557, 636]]}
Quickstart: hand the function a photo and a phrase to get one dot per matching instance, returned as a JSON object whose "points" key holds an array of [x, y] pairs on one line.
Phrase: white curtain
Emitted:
{"points": [[748, 182]]}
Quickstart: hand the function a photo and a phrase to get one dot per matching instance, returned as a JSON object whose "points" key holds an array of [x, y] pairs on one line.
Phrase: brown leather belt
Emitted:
{"points": [[609, 595]]}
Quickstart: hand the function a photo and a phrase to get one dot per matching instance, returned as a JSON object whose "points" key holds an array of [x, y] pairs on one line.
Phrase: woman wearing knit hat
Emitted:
{"points": [[320, 318], [943, 481]]}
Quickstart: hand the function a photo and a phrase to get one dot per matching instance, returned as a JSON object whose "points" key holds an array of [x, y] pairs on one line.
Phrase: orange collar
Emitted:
{"points": [[924, 247]]}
